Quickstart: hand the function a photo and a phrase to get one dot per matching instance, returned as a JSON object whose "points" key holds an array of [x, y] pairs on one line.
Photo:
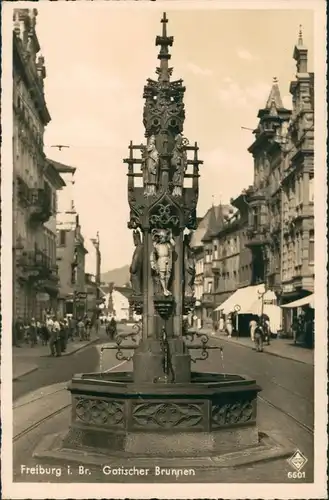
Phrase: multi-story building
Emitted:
{"points": [[215, 250], [231, 261], [264, 197], [35, 180], [71, 253], [297, 261], [204, 279], [245, 255]]}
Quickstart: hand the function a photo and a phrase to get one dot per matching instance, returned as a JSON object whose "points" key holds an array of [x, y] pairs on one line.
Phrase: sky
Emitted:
{"points": [[98, 59]]}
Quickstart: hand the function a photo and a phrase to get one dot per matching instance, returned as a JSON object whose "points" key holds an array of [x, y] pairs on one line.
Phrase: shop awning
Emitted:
{"points": [[308, 300], [244, 298]]}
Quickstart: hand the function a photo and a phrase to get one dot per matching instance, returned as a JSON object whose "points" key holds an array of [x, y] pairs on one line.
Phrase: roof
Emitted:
{"points": [[61, 167], [124, 290], [274, 97], [211, 223], [53, 176]]}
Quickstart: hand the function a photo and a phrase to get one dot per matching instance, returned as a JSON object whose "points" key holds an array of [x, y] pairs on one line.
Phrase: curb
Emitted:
{"points": [[79, 348], [271, 353], [27, 372]]}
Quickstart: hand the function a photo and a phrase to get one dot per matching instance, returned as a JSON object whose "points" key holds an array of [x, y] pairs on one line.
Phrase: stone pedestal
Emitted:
{"points": [[209, 414]]}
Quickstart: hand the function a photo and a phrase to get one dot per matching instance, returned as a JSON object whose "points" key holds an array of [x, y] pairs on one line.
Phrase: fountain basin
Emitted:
{"points": [[214, 413]]}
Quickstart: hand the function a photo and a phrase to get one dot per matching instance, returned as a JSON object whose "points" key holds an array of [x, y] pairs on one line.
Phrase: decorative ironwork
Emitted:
{"points": [[203, 346], [99, 412], [164, 217], [119, 339], [167, 415], [232, 413]]}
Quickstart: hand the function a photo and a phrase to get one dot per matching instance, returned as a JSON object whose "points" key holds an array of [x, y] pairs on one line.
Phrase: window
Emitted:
{"points": [[209, 288], [311, 190], [255, 217], [62, 237], [311, 248]]}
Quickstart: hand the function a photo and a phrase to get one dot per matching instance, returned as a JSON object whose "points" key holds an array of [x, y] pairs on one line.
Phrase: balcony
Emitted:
{"points": [[257, 236], [208, 299], [36, 265], [41, 209], [24, 192]]}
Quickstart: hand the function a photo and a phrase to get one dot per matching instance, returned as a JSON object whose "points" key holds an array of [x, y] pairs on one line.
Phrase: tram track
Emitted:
{"points": [[37, 424], [304, 426], [309, 429]]}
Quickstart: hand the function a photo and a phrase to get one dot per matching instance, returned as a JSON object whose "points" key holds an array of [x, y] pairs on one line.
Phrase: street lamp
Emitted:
{"points": [[261, 296], [96, 243]]}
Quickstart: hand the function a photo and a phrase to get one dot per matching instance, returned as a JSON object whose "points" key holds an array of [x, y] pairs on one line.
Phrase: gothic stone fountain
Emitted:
{"points": [[162, 408]]}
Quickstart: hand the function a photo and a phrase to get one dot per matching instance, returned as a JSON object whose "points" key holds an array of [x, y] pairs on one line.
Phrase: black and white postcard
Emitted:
{"points": [[163, 236]]}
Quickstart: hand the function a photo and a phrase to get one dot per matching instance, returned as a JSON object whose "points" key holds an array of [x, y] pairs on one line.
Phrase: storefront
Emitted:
{"points": [[249, 301]]}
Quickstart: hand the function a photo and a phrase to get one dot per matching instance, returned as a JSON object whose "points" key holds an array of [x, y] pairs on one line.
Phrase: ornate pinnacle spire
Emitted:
{"points": [[164, 41], [300, 37], [274, 96]]}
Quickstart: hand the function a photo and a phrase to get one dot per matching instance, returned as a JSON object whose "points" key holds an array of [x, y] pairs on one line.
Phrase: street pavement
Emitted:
{"points": [[34, 367], [285, 406], [284, 348]]}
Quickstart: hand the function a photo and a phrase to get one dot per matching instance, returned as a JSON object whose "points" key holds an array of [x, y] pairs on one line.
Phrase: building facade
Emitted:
{"points": [[281, 212], [71, 253], [204, 280], [264, 196], [231, 261], [297, 272], [35, 180]]}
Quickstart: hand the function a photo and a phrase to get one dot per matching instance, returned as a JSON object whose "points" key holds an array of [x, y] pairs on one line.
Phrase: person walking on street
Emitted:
{"points": [[266, 329], [229, 325], [54, 342], [252, 328], [259, 337], [44, 333], [81, 329], [33, 337], [87, 327], [18, 332], [63, 335]]}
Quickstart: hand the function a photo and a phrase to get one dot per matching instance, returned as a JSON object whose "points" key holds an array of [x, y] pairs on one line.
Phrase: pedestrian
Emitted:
{"points": [[33, 337], [259, 337], [87, 323], [266, 329], [70, 330], [26, 332], [252, 328], [81, 329], [54, 342], [62, 335], [229, 326], [44, 333], [215, 327], [18, 332]]}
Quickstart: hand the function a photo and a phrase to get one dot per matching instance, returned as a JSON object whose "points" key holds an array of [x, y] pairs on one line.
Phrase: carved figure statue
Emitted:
{"points": [[179, 162], [150, 167], [161, 258], [189, 266], [136, 267]]}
